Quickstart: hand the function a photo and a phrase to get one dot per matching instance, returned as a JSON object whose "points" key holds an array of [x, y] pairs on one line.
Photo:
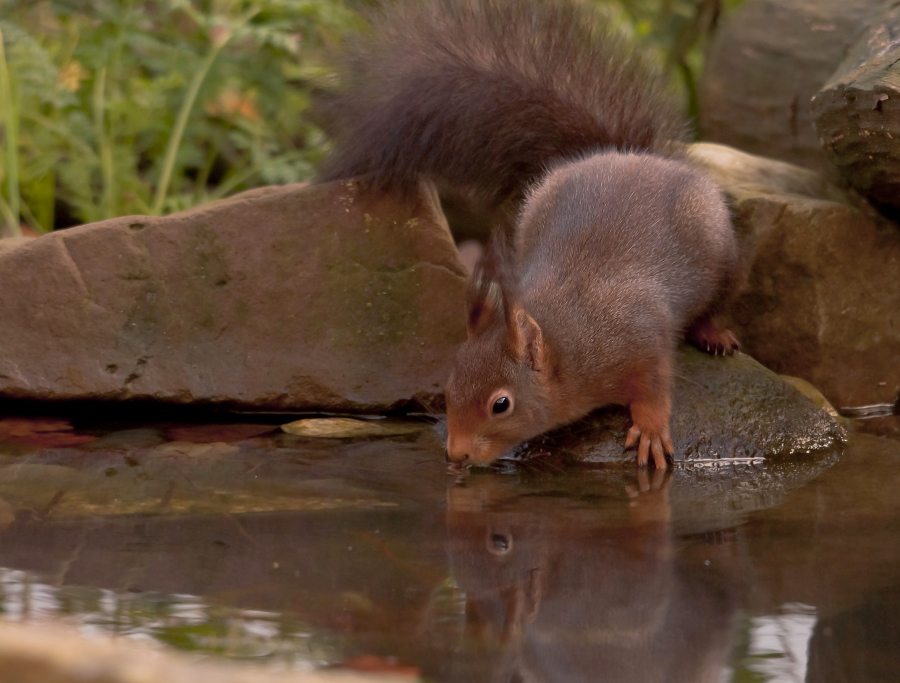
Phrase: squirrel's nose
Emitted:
{"points": [[457, 450]]}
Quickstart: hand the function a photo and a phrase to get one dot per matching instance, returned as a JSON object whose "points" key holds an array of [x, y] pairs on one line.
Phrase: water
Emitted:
{"points": [[304, 553]]}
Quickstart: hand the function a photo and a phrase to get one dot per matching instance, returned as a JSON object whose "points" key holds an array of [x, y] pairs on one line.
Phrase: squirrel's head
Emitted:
{"points": [[498, 392]]}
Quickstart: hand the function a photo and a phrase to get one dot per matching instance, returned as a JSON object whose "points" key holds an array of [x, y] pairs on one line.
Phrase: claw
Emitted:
{"points": [[659, 457], [659, 445], [705, 335], [633, 435]]}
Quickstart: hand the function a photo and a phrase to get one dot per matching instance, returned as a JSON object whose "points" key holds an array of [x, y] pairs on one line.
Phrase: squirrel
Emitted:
{"points": [[610, 245]]}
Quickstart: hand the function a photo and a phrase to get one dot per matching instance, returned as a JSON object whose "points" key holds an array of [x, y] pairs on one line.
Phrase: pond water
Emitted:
{"points": [[244, 541]]}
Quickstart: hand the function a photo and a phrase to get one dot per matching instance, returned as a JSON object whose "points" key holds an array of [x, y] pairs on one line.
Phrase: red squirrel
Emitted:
{"points": [[619, 246]]}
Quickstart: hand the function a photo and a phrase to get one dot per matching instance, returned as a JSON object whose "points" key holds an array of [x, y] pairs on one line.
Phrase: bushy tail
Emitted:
{"points": [[485, 95]]}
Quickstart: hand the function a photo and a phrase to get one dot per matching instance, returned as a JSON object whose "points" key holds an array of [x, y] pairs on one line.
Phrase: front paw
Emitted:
{"points": [[650, 441]]}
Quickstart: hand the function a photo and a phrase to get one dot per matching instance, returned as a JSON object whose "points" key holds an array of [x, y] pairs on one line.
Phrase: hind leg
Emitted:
{"points": [[705, 335]]}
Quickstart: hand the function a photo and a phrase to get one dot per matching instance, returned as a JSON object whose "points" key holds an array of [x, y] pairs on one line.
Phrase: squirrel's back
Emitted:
{"points": [[609, 237], [486, 95]]}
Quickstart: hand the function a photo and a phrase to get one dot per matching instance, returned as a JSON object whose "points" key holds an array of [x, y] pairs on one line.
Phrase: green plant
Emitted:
{"points": [[152, 106], [9, 208]]}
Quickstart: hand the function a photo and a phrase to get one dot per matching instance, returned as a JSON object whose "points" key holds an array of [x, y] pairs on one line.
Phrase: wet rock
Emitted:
{"points": [[218, 433], [819, 296], [348, 428], [285, 473], [40, 477], [857, 113], [767, 59], [816, 397], [726, 411], [183, 478], [128, 439], [702, 497], [200, 451], [315, 297]]}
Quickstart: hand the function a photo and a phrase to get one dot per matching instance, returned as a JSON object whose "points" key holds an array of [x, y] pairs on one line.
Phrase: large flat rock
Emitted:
{"points": [[295, 298]]}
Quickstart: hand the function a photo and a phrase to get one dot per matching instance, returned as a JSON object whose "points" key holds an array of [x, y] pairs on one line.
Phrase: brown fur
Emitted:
{"points": [[617, 255], [619, 248]]}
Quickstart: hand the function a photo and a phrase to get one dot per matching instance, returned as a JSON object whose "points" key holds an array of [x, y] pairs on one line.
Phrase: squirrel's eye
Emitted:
{"points": [[501, 405], [499, 544]]}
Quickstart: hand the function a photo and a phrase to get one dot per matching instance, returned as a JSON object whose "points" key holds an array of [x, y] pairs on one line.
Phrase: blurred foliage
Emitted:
{"points": [[675, 32], [115, 107]]}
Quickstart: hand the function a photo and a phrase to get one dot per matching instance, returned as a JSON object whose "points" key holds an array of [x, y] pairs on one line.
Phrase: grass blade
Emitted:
{"points": [[104, 145], [187, 105], [9, 120]]}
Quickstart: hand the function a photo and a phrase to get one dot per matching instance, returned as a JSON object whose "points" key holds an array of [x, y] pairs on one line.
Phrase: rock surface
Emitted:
{"points": [[294, 298], [725, 410], [857, 113], [767, 59], [820, 297]]}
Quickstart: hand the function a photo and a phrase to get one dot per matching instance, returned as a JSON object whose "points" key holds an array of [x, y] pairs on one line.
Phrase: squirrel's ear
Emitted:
{"points": [[487, 298], [525, 339]]}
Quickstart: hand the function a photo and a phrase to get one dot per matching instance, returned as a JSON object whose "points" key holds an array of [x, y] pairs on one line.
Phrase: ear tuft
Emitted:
{"points": [[486, 297]]}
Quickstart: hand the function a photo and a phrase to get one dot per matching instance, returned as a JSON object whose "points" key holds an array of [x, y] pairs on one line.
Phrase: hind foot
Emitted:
{"points": [[707, 337]]}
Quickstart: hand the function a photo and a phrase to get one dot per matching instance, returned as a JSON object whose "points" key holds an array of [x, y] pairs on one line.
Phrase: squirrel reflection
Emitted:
{"points": [[556, 592]]}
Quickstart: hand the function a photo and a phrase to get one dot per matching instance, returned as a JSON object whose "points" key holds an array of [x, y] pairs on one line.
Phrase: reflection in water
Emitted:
{"points": [[307, 553], [778, 645], [185, 621], [561, 597], [862, 644]]}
